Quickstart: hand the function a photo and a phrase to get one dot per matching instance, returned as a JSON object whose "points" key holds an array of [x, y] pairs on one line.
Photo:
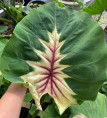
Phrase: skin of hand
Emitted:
{"points": [[11, 102]]}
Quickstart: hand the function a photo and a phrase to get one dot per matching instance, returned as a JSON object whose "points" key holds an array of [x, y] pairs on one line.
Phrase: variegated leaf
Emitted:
{"points": [[47, 76], [57, 51]]}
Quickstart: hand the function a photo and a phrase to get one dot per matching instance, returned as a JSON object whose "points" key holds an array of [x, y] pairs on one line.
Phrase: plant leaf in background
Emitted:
{"points": [[96, 8], [80, 2], [64, 58], [90, 109], [3, 28], [15, 14], [26, 9], [60, 3], [104, 88], [51, 112], [27, 98], [32, 110], [3, 36]]}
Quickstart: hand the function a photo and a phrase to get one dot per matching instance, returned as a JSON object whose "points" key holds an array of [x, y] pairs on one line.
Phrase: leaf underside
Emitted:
{"points": [[56, 51]]}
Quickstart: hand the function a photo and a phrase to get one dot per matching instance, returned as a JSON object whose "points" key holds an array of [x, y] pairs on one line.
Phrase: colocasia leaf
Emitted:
{"points": [[58, 51]]}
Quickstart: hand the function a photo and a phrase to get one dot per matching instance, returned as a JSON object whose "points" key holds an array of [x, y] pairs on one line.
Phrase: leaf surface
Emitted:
{"points": [[57, 51]]}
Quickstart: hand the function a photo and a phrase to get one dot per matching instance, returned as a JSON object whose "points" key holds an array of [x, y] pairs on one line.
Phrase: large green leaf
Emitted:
{"points": [[58, 51], [96, 8], [96, 109]]}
